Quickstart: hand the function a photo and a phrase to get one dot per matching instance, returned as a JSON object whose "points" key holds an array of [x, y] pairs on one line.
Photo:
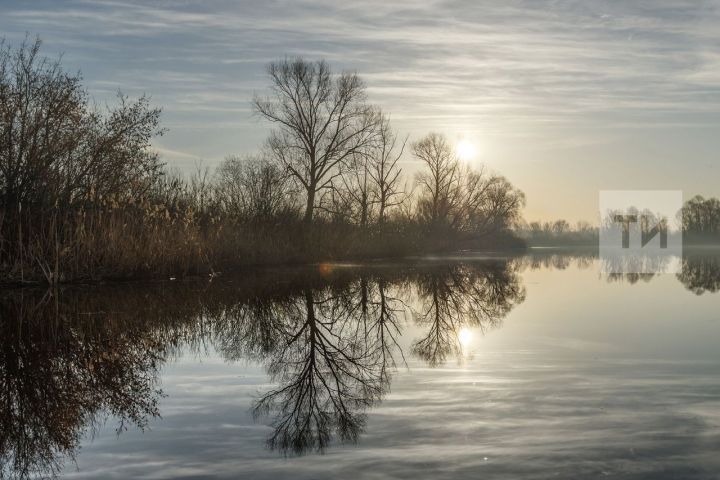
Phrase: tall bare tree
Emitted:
{"points": [[439, 181], [370, 183], [384, 170], [354, 196], [455, 197], [321, 119]]}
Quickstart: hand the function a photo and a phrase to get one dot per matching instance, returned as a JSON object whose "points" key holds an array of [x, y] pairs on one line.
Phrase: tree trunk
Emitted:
{"points": [[364, 212], [310, 206], [381, 212]]}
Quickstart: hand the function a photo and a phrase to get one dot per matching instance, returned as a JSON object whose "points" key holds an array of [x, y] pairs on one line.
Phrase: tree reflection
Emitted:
{"points": [[61, 374], [550, 258], [71, 359], [384, 327], [330, 343], [326, 375], [462, 296], [700, 273], [632, 278]]}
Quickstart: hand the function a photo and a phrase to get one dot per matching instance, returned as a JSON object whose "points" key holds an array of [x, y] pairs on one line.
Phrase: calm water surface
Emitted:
{"points": [[520, 368]]}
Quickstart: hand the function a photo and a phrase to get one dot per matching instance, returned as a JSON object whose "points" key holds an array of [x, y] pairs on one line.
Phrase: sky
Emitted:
{"points": [[564, 98]]}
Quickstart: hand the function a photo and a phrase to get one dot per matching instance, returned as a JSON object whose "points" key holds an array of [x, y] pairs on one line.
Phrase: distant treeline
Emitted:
{"points": [[557, 233], [84, 197], [699, 218]]}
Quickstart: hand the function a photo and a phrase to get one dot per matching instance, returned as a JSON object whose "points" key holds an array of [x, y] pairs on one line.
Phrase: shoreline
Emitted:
{"points": [[281, 267]]}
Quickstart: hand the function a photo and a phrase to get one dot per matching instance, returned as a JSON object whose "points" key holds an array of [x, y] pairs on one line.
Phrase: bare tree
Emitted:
{"points": [[353, 197], [439, 181], [253, 187], [370, 183], [701, 216], [455, 197], [560, 227], [490, 203], [384, 170], [200, 187], [56, 148], [321, 119]]}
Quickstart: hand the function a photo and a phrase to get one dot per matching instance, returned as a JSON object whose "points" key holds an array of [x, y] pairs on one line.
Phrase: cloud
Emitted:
{"points": [[541, 71], [553, 59]]}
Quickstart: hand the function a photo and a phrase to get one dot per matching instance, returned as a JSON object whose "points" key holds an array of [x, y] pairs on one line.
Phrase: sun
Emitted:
{"points": [[465, 150], [465, 337]]}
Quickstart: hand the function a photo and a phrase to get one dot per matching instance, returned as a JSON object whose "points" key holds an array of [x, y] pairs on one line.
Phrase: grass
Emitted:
{"points": [[141, 240]]}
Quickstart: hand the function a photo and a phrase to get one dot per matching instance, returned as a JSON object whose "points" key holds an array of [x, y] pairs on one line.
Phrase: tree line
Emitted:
{"points": [[699, 220], [83, 195], [557, 233]]}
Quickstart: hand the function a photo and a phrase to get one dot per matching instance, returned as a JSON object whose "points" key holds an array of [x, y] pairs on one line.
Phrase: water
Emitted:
{"points": [[521, 368]]}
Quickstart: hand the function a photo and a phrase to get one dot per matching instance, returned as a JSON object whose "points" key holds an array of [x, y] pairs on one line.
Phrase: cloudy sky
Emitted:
{"points": [[565, 98]]}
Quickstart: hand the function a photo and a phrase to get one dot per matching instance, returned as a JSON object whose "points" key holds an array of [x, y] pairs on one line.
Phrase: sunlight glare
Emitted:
{"points": [[465, 337], [465, 150]]}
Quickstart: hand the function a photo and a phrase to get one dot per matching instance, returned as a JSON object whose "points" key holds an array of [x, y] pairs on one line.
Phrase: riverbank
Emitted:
{"points": [[125, 249]]}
